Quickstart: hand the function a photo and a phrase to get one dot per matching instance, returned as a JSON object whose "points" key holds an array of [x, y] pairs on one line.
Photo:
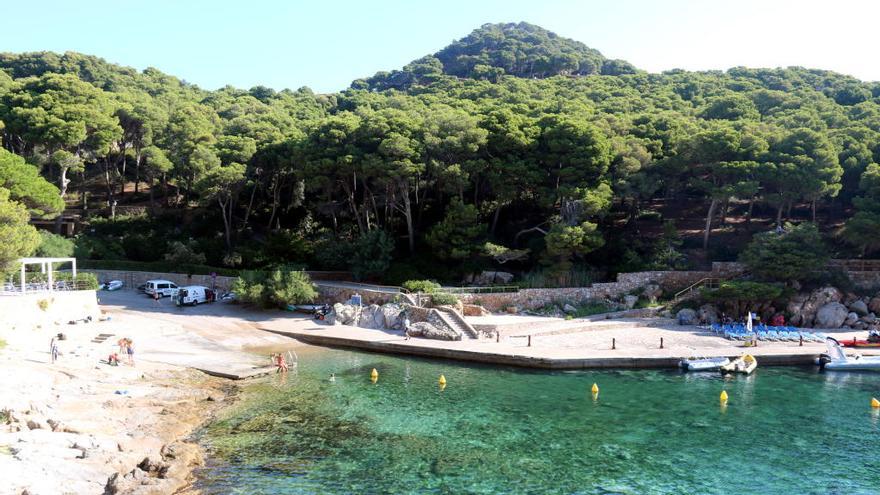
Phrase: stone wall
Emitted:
{"points": [[670, 281], [25, 311]]}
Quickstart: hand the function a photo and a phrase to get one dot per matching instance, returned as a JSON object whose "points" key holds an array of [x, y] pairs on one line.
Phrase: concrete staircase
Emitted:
{"points": [[457, 322]]}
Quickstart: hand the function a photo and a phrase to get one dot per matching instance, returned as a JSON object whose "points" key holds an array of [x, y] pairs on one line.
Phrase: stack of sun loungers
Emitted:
{"points": [[738, 331]]}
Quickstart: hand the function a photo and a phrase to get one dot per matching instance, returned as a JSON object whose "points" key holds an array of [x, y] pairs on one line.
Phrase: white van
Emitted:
{"points": [[164, 288], [194, 294]]}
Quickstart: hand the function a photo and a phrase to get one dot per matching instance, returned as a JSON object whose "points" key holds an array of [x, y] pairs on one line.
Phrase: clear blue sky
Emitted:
{"points": [[327, 44]]}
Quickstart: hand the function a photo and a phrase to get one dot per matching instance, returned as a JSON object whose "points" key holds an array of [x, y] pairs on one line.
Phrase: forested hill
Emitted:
{"points": [[511, 147], [521, 50]]}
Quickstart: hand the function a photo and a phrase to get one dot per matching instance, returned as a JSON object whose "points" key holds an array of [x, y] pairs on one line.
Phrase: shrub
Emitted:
{"points": [[277, 288], [54, 246], [443, 299], [421, 285], [82, 281], [739, 296], [184, 253], [790, 255], [372, 254]]}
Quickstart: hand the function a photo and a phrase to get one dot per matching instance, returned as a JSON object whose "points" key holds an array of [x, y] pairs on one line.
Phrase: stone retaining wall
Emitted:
{"points": [[670, 281]]}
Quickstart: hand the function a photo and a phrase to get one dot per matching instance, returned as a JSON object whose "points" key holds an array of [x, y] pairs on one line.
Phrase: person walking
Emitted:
{"points": [[156, 298]]}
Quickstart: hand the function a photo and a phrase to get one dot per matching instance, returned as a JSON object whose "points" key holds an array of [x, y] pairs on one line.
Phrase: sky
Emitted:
{"points": [[327, 44]]}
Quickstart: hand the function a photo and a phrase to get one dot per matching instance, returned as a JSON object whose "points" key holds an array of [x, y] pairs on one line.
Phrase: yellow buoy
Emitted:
{"points": [[874, 402], [595, 389], [442, 380], [374, 373], [442, 386], [723, 397]]}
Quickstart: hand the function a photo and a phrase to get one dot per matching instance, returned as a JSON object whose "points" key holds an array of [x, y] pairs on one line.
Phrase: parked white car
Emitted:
{"points": [[194, 294], [165, 288]]}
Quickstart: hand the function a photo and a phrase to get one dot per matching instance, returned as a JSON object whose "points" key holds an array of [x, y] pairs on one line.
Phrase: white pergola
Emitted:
{"points": [[45, 267]]}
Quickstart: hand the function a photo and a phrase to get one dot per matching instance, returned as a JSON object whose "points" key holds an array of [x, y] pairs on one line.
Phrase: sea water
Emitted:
{"points": [[506, 430]]}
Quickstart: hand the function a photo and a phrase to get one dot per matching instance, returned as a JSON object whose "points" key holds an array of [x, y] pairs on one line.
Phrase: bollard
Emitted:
{"points": [[802, 340], [497, 336], [613, 344], [661, 342], [530, 340]]}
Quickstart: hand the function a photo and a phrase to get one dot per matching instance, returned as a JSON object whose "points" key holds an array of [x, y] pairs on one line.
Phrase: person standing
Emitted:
{"points": [[129, 349], [406, 328], [156, 298], [53, 349]]}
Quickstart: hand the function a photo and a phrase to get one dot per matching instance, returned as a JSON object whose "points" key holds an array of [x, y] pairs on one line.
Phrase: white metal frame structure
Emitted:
{"points": [[45, 267]]}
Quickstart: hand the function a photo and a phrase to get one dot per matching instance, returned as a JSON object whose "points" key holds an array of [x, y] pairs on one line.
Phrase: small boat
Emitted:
{"points": [[836, 359], [703, 364], [113, 285], [744, 364], [859, 343]]}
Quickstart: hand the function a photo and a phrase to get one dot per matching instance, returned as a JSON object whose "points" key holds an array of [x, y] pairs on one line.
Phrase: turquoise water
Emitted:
{"points": [[500, 430]]}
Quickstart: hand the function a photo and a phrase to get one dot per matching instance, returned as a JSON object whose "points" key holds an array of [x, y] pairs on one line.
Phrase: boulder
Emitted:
{"points": [[652, 292], [474, 310], [874, 304], [429, 331], [629, 301], [392, 316], [851, 319], [345, 313], [371, 317], [708, 313], [686, 316], [831, 315], [804, 311], [859, 307], [568, 308]]}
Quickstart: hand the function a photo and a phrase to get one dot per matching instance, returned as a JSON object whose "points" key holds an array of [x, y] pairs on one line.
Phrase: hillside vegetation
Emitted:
{"points": [[512, 147]]}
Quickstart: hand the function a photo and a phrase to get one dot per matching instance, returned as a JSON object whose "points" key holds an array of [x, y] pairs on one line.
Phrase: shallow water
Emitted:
{"points": [[501, 430]]}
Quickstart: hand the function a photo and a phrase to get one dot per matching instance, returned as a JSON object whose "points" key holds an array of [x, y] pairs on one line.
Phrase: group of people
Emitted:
{"points": [[126, 348]]}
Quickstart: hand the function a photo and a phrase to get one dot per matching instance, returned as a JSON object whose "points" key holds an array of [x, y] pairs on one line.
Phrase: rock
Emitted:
{"points": [[491, 278], [34, 425], [512, 310], [429, 331], [345, 313], [686, 316], [392, 316], [831, 315], [708, 313], [629, 301], [568, 308], [804, 310], [859, 307], [652, 292], [851, 319], [874, 304]]}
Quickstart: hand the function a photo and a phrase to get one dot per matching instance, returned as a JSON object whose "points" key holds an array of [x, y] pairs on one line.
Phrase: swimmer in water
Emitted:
{"points": [[332, 377]]}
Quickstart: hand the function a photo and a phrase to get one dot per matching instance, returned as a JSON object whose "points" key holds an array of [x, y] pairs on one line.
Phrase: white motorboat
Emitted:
{"points": [[836, 359], [703, 364]]}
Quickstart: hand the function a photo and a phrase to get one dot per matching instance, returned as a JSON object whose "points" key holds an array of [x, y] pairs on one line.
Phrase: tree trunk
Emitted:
{"points": [[813, 207], [712, 206], [749, 214], [226, 226], [137, 169], [779, 215], [407, 211], [495, 219]]}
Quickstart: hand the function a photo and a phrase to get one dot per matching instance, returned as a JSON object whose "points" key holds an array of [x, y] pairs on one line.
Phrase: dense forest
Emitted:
{"points": [[512, 147]]}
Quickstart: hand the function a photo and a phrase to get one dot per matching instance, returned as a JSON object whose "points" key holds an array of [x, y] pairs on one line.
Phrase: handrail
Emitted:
{"points": [[480, 290], [690, 288]]}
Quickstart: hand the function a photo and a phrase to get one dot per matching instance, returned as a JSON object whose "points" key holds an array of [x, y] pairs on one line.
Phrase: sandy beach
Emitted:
{"points": [[80, 426]]}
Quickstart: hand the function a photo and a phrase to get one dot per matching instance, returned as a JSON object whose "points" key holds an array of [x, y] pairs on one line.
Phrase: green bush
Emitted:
{"points": [[277, 288], [54, 246], [421, 285], [443, 299], [184, 253], [82, 281], [738, 296], [791, 255]]}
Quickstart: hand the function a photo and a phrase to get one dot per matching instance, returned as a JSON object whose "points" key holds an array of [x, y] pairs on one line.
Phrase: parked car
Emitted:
{"points": [[194, 294], [112, 285], [165, 288]]}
